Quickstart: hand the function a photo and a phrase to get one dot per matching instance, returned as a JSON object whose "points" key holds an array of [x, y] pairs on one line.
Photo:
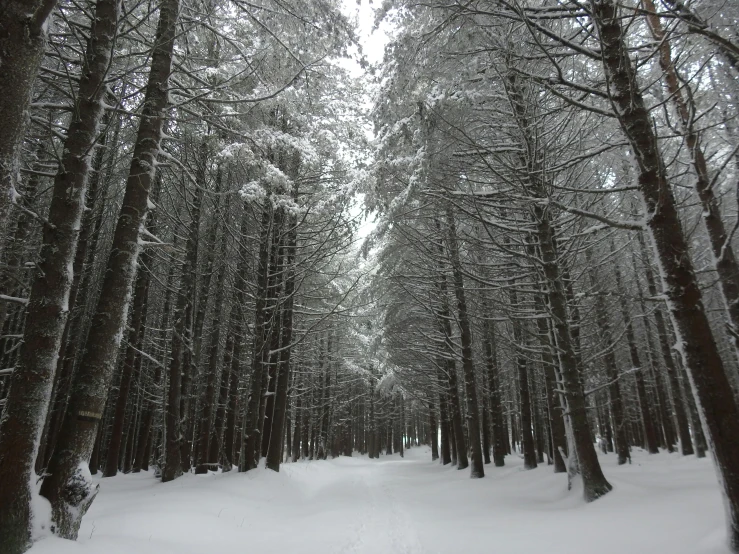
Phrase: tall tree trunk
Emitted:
{"points": [[208, 396], [274, 450], [22, 46], [68, 487], [486, 432], [527, 438], [298, 394], [24, 416], [583, 455], [141, 459], [446, 453], [177, 435], [444, 318], [678, 403], [650, 435], [260, 350], [572, 395], [81, 284], [609, 361], [135, 340], [177, 417], [709, 381], [681, 96], [234, 345], [666, 419], [434, 429], [500, 436], [556, 422]]}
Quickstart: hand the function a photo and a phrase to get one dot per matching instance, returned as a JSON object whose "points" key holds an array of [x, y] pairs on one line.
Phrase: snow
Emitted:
{"points": [[660, 503]]}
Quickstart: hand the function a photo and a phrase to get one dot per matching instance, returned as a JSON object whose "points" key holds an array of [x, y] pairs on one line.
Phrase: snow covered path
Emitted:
{"points": [[355, 505]]}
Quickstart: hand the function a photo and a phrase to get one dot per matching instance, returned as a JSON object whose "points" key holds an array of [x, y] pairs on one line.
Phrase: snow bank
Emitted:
{"points": [[661, 503]]}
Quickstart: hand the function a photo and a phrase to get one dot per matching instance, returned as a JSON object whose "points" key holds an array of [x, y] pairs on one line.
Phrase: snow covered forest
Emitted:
{"points": [[361, 245]]}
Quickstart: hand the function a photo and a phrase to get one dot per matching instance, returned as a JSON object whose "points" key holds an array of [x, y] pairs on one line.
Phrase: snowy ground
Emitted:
{"points": [[661, 503]]}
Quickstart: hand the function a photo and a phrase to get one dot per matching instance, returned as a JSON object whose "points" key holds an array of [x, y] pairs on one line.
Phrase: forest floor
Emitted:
{"points": [[661, 503]]}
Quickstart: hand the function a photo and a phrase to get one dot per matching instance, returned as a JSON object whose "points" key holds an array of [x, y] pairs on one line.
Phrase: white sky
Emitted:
{"points": [[373, 44]]}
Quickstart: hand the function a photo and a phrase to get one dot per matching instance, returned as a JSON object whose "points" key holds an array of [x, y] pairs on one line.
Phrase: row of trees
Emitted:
{"points": [[177, 188], [556, 253]]}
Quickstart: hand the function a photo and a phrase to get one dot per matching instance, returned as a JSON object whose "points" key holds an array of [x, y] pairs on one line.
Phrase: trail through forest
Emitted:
{"points": [[405, 505]]}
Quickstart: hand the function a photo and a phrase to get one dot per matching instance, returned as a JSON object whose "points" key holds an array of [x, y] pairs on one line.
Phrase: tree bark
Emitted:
{"points": [[22, 47], [678, 402], [274, 450], [609, 361], [260, 350], [69, 488], [24, 417], [650, 436], [208, 397], [711, 387]]}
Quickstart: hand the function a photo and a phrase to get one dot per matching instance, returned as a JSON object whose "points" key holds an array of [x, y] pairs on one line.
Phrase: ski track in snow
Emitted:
{"points": [[355, 505]]}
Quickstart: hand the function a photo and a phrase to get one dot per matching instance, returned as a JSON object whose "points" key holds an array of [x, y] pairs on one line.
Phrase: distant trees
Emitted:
{"points": [[126, 289], [534, 112]]}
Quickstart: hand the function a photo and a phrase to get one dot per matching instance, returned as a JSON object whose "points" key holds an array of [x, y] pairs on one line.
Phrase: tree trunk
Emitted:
{"points": [[609, 361], [527, 438], [724, 258], [446, 453], [278, 417], [500, 436], [260, 350], [27, 402], [711, 387], [650, 435], [557, 434], [135, 339], [177, 416], [205, 428], [22, 47], [69, 488]]}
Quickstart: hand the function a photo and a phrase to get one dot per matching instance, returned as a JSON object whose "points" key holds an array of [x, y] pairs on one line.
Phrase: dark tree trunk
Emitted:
{"points": [[459, 450], [68, 489], [665, 422], [572, 396], [500, 435], [582, 456], [274, 290], [434, 429], [446, 454], [486, 423], [278, 416], [650, 435], [609, 361], [141, 459], [81, 282], [215, 448], [208, 396], [557, 436], [678, 404], [297, 433], [527, 438], [711, 387], [177, 436], [681, 96], [135, 340], [21, 47], [260, 350], [233, 346]]}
